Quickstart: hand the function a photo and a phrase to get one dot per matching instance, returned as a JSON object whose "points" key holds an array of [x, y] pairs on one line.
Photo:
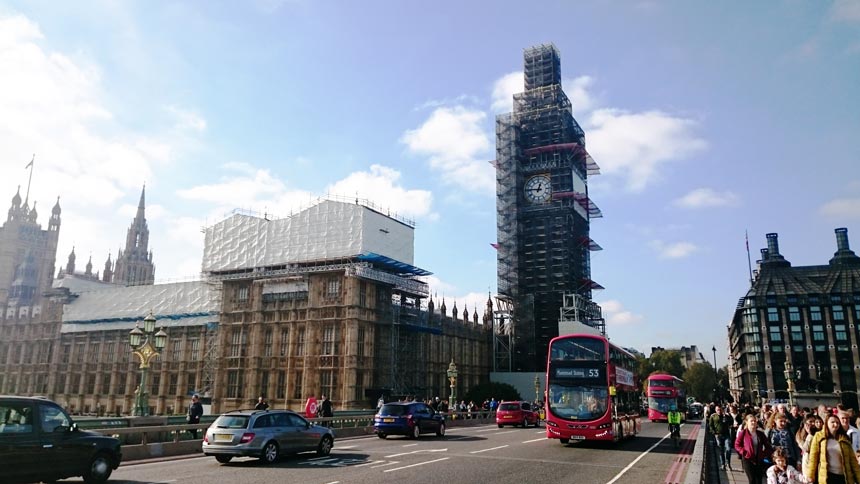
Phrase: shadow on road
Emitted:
{"points": [[640, 444]]}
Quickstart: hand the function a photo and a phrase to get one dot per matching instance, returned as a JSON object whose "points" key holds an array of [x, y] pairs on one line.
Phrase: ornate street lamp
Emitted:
{"points": [[452, 378], [757, 394], [716, 376], [145, 350], [789, 380], [537, 388]]}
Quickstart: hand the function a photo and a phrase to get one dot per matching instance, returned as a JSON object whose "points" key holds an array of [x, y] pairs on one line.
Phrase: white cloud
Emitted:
{"points": [[842, 208], [379, 185], [616, 315], [708, 197], [457, 147], [187, 119], [636, 146], [673, 250], [503, 91], [577, 90]]}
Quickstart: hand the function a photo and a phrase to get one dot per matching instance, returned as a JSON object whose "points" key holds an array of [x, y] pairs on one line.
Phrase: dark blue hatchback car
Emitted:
{"points": [[410, 419]]}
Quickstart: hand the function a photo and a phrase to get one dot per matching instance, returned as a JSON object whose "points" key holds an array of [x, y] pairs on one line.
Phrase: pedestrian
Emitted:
{"points": [[780, 436], [721, 426], [195, 411], [783, 473], [831, 459], [845, 417], [325, 410], [754, 448], [261, 404], [804, 438]]}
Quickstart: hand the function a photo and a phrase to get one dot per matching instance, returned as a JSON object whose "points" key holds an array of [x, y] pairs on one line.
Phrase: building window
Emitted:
{"points": [[798, 348], [156, 385], [841, 333], [79, 356], [796, 333], [815, 313], [194, 343], [813, 299], [794, 313], [172, 384], [297, 388], [268, 338], [65, 356], [329, 337], [772, 314], [285, 341], [281, 388], [856, 315], [300, 343], [770, 300], [243, 293], [360, 348], [94, 353], [238, 341], [60, 384], [332, 288], [775, 333], [264, 384], [362, 294], [327, 382], [110, 352], [176, 351], [817, 332], [4, 353], [838, 313], [91, 384], [106, 390], [835, 298], [359, 386], [191, 382], [120, 383], [791, 299], [777, 348], [234, 384], [750, 315]]}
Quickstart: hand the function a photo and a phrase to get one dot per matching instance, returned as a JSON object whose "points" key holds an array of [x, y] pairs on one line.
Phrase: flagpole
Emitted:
{"points": [[30, 166], [749, 261]]}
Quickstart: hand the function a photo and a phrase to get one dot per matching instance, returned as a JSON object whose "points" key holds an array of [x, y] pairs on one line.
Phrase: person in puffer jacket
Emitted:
{"points": [[831, 458]]}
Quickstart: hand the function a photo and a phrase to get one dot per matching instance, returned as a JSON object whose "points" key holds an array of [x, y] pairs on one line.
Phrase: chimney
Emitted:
{"points": [[772, 257], [773, 244], [844, 255], [842, 239], [764, 255]]}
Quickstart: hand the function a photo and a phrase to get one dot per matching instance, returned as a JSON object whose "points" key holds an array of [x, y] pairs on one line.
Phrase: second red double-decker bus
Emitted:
{"points": [[591, 390], [663, 392]]}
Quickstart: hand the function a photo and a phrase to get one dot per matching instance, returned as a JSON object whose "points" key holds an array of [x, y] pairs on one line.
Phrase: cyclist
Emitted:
{"points": [[674, 417]]}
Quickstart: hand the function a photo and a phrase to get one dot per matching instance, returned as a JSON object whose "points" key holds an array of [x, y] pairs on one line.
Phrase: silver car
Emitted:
{"points": [[266, 434]]}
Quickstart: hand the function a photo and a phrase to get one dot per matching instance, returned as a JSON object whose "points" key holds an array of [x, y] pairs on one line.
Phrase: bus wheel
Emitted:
{"points": [[564, 441]]}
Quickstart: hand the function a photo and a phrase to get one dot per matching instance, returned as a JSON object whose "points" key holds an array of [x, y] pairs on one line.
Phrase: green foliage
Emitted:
{"points": [[643, 369], [700, 381], [485, 391], [667, 361]]}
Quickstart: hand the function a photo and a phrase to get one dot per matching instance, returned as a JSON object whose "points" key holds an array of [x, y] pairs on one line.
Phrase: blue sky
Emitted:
{"points": [[707, 119]]}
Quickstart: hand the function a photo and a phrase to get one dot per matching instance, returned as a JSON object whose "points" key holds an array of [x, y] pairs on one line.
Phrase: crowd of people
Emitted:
{"points": [[788, 445]]}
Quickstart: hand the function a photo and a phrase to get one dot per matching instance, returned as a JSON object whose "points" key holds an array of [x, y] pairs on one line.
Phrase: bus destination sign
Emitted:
{"points": [[585, 373]]}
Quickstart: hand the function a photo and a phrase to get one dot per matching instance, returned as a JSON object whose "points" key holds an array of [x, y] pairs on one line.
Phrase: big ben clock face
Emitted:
{"points": [[538, 189]]}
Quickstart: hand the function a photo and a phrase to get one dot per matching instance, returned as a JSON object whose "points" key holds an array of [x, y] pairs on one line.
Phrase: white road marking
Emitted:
{"points": [[618, 476], [415, 465], [369, 463], [383, 465], [321, 458], [339, 447], [534, 440], [486, 430], [507, 432], [410, 445], [333, 482], [415, 452], [487, 450]]}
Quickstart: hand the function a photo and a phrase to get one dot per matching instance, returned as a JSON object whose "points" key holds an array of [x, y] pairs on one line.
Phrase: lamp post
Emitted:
{"points": [[757, 395], [716, 376], [452, 378], [789, 381], [145, 350], [537, 388]]}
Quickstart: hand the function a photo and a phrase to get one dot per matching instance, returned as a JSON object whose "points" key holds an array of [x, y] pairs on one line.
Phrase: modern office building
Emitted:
{"points": [[543, 216], [798, 324]]}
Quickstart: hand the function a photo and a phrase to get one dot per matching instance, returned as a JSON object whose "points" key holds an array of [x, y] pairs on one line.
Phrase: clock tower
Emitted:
{"points": [[543, 213]]}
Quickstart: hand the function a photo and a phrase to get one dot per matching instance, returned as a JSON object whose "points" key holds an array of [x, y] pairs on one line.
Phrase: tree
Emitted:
{"points": [[667, 361], [700, 381], [485, 391], [643, 369]]}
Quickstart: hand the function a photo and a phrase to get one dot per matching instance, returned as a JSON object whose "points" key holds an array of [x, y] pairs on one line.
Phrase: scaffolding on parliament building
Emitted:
{"points": [[543, 241]]}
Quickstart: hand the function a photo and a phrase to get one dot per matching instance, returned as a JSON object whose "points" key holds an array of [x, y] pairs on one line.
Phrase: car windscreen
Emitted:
{"points": [[509, 406], [232, 422], [393, 410]]}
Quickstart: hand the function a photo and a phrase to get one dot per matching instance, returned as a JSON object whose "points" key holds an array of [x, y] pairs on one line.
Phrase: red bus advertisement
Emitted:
{"points": [[591, 390], [663, 391]]}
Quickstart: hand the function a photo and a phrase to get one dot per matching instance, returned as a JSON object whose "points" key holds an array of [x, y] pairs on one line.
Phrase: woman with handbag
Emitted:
{"points": [[754, 448]]}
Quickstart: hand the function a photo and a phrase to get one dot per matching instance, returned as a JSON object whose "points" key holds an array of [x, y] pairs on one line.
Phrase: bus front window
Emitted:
{"points": [[578, 402], [659, 404]]}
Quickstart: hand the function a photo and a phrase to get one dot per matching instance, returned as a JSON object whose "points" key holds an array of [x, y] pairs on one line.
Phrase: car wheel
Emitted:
{"points": [[501, 426], [99, 469], [441, 431], [381, 435], [525, 422], [416, 431], [223, 458], [270, 453], [325, 446]]}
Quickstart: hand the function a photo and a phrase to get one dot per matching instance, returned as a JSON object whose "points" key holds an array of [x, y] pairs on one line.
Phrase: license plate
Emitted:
{"points": [[388, 420], [223, 438], [577, 437], [508, 416]]}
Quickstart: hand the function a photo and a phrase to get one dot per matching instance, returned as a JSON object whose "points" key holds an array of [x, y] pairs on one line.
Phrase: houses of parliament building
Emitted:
{"points": [[324, 302]]}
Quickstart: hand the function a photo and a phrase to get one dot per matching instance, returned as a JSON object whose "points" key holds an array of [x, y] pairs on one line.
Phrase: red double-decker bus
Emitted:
{"points": [[663, 391], [591, 390]]}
